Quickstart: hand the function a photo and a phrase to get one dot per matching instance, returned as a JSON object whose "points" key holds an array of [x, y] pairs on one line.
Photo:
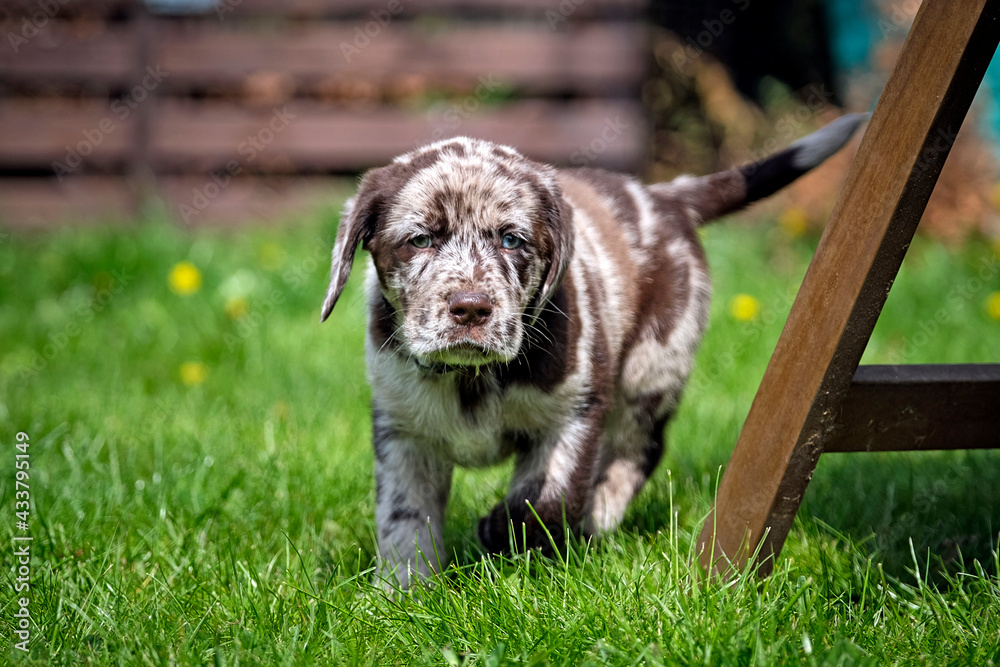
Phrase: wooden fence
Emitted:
{"points": [[252, 107]]}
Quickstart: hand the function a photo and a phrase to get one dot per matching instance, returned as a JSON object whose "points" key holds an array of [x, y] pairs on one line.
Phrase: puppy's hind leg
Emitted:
{"points": [[635, 445]]}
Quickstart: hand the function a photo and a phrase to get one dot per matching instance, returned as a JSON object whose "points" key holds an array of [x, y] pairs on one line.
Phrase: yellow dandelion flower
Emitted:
{"points": [[236, 307], [185, 278], [744, 307], [193, 373], [993, 306], [271, 256], [794, 222], [995, 195]]}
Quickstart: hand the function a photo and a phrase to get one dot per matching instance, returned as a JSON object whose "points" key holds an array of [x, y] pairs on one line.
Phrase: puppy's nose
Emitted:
{"points": [[470, 308]]}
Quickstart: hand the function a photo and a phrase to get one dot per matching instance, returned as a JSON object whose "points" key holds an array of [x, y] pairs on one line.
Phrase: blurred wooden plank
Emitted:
{"points": [[36, 133], [190, 135], [304, 136], [401, 8], [40, 11], [192, 200], [919, 407], [926, 98], [594, 59], [93, 56], [230, 9], [43, 203], [38, 203]]}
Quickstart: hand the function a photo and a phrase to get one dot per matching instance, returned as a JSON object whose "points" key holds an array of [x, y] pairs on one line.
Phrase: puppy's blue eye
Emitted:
{"points": [[421, 241], [510, 242]]}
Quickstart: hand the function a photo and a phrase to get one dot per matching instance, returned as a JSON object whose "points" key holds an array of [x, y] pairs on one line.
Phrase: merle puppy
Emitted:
{"points": [[520, 310]]}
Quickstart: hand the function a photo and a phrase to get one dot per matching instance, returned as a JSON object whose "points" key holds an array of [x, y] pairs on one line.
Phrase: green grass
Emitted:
{"points": [[232, 521]]}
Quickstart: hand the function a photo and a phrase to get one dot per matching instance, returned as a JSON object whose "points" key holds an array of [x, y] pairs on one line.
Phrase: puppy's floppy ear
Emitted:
{"points": [[358, 223], [558, 218]]}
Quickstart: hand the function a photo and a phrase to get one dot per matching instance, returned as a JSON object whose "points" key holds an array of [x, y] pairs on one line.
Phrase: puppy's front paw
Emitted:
{"points": [[396, 575], [506, 528], [395, 571], [494, 531]]}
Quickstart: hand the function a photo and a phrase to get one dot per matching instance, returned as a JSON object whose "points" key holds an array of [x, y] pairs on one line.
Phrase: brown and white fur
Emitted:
{"points": [[520, 310]]}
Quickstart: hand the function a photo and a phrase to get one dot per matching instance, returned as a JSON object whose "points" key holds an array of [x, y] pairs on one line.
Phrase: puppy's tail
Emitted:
{"points": [[727, 191]]}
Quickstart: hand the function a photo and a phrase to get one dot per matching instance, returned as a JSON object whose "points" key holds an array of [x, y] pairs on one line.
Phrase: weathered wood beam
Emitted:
{"points": [[919, 408], [795, 411]]}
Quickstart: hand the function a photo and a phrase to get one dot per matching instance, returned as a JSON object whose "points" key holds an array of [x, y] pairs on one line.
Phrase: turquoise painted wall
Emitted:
{"points": [[857, 28]]}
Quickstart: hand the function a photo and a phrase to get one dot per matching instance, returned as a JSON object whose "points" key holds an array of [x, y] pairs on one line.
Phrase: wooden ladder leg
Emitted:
{"points": [[910, 134]]}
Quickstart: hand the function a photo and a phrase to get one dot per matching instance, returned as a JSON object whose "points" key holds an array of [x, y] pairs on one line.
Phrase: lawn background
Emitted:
{"points": [[202, 491]]}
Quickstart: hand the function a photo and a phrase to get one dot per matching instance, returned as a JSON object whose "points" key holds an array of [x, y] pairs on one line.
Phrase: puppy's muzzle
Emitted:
{"points": [[470, 309]]}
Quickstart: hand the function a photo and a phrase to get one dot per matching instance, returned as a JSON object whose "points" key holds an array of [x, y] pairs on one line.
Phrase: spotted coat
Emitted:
{"points": [[519, 310]]}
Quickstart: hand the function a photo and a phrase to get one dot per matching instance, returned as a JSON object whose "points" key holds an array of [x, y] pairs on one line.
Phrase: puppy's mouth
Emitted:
{"points": [[465, 353], [456, 347]]}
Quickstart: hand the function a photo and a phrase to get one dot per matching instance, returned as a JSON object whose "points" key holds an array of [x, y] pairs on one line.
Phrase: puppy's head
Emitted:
{"points": [[469, 239]]}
